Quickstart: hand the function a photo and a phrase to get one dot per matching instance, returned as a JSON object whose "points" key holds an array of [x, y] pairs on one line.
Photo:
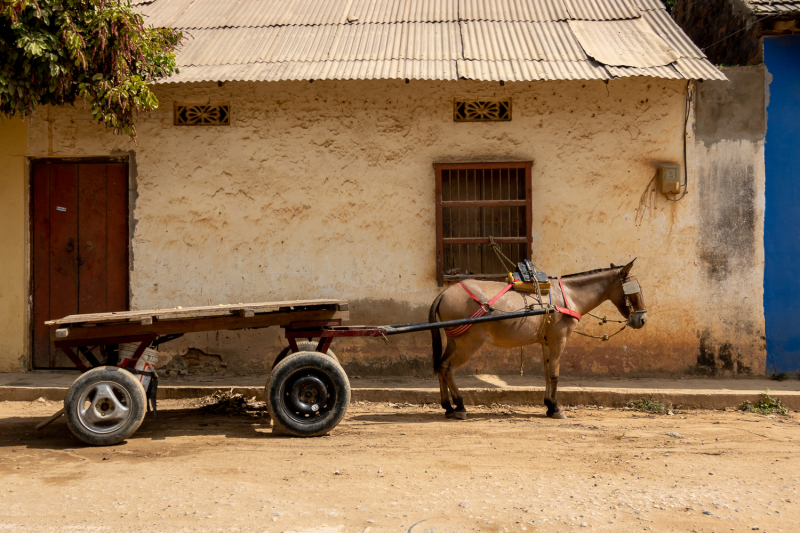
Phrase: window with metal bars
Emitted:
{"points": [[475, 201]]}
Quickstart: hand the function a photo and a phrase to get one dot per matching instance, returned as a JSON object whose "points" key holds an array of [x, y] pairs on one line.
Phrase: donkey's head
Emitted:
{"points": [[627, 296]]}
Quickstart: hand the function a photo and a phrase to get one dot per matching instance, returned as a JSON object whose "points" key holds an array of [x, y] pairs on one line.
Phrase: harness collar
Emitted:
{"points": [[566, 310]]}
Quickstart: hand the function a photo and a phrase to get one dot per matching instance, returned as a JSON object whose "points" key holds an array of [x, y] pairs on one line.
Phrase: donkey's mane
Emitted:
{"points": [[588, 272]]}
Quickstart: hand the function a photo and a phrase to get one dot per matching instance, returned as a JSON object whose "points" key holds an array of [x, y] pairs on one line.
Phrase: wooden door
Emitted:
{"points": [[79, 246]]}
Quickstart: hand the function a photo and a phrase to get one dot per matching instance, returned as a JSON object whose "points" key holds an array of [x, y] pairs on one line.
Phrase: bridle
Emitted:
{"points": [[632, 291], [634, 302]]}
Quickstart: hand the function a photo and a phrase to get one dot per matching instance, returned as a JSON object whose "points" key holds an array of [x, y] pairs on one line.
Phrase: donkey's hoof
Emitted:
{"points": [[558, 415], [460, 415]]}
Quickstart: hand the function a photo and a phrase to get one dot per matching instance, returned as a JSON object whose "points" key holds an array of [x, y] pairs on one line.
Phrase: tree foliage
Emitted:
{"points": [[669, 4], [54, 52]]}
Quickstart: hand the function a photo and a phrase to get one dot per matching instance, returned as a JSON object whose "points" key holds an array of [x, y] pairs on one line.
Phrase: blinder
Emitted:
{"points": [[634, 301]]}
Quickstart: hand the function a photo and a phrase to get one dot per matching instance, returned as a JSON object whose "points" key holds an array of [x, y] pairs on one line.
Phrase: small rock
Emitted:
{"points": [[584, 524], [370, 521], [675, 435], [336, 473], [707, 512], [755, 528], [464, 504], [277, 514]]}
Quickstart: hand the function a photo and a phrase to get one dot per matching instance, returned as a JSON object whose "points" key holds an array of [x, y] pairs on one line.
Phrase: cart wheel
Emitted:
{"points": [[104, 406], [304, 346], [307, 394]]}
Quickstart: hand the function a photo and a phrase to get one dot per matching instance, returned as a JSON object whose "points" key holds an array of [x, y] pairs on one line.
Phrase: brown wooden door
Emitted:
{"points": [[80, 246]]}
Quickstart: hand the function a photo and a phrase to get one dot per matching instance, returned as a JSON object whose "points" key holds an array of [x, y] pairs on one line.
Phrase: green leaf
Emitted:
{"points": [[57, 51]]}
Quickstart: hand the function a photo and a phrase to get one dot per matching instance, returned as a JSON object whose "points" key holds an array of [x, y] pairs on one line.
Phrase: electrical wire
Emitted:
{"points": [[685, 164], [738, 31]]}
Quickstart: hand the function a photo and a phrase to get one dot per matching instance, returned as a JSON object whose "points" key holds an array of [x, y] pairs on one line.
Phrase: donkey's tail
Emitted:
{"points": [[436, 334]]}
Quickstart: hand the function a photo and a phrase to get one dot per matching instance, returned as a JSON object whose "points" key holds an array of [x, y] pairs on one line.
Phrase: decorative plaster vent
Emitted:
{"points": [[483, 110], [202, 115]]}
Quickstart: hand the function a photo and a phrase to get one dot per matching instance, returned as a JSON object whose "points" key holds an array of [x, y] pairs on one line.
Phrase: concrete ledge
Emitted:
{"points": [[606, 397]]}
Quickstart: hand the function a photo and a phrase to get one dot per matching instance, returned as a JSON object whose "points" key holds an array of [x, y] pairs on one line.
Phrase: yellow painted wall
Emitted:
{"points": [[13, 329]]}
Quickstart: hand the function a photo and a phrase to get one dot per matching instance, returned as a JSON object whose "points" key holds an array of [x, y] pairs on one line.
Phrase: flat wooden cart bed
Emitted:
{"points": [[307, 391]]}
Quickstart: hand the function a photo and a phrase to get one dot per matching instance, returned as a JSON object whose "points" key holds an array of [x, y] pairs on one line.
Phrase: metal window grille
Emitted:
{"points": [[483, 110], [473, 202], [202, 115]]}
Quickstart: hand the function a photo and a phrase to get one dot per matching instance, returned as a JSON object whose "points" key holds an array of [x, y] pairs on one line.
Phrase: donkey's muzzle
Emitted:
{"points": [[637, 320]]}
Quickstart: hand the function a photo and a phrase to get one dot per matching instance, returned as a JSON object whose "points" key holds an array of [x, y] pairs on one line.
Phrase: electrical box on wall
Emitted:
{"points": [[669, 177]]}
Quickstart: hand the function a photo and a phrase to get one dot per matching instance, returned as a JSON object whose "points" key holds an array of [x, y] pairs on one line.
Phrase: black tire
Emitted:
{"points": [[304, 346], [307, 394], [94, 417]]}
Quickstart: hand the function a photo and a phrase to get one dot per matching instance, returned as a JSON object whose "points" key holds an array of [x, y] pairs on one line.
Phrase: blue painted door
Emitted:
{"points": [[782, 223]]}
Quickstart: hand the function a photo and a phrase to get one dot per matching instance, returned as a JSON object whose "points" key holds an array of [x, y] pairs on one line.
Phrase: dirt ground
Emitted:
{"points": [[406, 468]]}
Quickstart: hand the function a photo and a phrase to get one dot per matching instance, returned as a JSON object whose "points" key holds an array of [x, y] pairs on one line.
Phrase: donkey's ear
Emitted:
{"points": [[613, 265], [626, 269]]}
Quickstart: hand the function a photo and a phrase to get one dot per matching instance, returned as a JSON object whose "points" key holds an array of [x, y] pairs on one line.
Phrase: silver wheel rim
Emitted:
{"points": [[104, 407]]}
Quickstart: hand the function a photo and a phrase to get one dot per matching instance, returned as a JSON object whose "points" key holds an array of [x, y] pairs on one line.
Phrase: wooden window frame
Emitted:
{"points": [[440, 240]]}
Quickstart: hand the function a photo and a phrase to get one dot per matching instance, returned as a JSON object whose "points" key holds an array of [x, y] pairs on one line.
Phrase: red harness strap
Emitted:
{"points": [[460, 330], [566, 310]]}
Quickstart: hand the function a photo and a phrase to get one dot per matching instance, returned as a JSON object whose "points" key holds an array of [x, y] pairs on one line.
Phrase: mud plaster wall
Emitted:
{"points": [[326, 189], [731, 126], [13, 245]]}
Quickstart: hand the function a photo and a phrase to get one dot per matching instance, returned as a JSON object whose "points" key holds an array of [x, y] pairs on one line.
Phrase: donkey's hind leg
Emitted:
{"points": [[466, 347], [444, 392]]}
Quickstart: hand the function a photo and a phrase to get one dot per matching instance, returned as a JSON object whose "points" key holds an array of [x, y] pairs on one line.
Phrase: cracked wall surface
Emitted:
{"points": [[326, 190]]}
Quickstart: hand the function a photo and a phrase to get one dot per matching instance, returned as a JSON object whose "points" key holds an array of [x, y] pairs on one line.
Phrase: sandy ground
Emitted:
{"points": [[406, 468]]}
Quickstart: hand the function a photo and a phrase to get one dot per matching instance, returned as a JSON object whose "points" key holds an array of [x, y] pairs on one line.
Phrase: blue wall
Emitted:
{"points": [[782, 223]]}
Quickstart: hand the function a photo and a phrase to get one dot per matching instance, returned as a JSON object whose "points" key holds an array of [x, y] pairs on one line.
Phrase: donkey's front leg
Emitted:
{"points": [[552, 355]]}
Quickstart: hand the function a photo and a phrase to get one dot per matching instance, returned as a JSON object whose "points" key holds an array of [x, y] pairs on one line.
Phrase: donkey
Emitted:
{"points": [[578, 293]]}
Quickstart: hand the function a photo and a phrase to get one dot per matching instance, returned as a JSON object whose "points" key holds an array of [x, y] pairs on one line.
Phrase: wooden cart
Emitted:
{"points": [[307, 393]]}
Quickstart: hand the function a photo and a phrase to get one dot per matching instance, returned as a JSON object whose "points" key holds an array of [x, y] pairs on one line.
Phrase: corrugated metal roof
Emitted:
{"points": [[320, 70], [508, 40], [523, 70], [649, 4], [667, 71], [497, 41], [602, 9], [256, 13], [346, 42], [776, 7], [163, 13], [513, 10], [699, 69], [387, 11], [669, 30], [623, 43]]}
